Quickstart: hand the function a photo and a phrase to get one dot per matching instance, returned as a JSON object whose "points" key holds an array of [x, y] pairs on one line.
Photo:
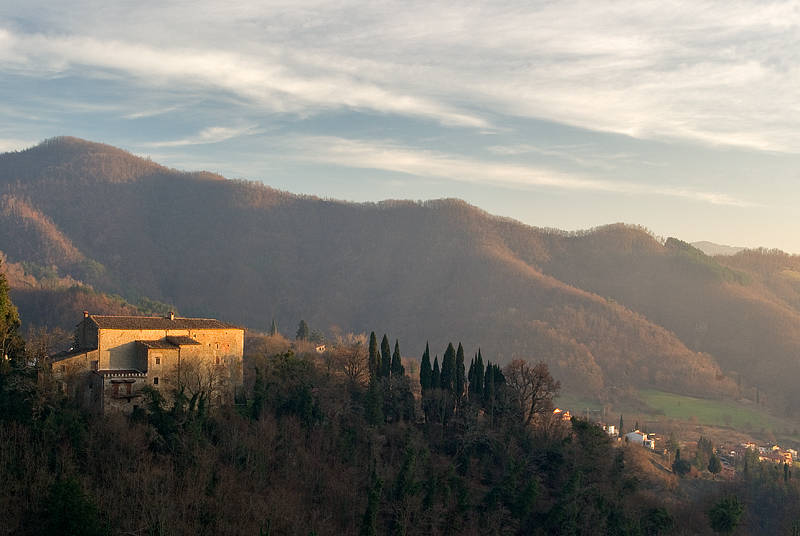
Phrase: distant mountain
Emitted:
{"points": [[611, 309], [710, 248]]}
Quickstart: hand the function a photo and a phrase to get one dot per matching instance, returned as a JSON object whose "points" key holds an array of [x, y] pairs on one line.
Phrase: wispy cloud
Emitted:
{"points": [[718, 72], [209, 135], [426, 163], [266, 81], [585, 155]]}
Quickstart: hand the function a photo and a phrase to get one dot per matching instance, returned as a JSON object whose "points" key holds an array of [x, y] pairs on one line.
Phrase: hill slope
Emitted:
{"points": [[609, 310]]}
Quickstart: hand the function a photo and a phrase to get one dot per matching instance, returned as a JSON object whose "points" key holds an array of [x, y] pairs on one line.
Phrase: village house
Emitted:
{"points": [[116, 356], [641, 438]]}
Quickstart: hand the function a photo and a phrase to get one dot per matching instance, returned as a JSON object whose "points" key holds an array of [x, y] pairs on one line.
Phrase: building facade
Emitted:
{"points": [[116, 356]]}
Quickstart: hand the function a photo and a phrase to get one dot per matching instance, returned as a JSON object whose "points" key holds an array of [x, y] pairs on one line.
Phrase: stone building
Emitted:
{"points": [[115, 356]]}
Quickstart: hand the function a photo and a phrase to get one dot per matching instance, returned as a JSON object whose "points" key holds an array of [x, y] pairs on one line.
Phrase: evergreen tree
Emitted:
{"points": [[621, 426], [374, 356], [458, 384], [714, 465], [479, 375], [449, 369], [397, 363], [374, 402], [680, 466], [273, 330], [672, 442], [386, 357], [436, 375], [12, 346], [471, 374], [425, 370], [488, 385], [302, 331], [725, 514]]}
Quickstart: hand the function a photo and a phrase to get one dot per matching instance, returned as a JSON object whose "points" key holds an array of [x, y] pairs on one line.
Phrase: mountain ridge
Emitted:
{"points": [[610, 308]]}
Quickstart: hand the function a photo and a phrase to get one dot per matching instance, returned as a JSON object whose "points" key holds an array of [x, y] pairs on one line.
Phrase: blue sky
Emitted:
{"points": [[682, 117]]}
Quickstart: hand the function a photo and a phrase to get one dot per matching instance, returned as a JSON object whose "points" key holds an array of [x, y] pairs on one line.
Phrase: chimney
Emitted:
{"points": [[86, 314], [171, 315]]}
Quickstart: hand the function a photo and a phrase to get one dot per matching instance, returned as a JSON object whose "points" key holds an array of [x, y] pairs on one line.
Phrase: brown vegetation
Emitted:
{"points": [[608, 309]]}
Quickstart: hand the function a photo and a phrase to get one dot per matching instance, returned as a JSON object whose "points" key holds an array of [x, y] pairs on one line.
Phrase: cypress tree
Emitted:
{"points": [[449, 368], [436, 376], [488, 385], [386, 357], [425, 370], [374, 357], [273, 330], [471, 376], [374, 405], [302, 331], [397, 364], [479, 374], [621, 426], [11, 342], [459, 379]]}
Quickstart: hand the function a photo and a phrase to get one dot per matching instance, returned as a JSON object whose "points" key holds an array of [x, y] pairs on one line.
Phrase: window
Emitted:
{"points": [[155, 380], [218, 360], [158, 361], [63, 368], [217, 346]]}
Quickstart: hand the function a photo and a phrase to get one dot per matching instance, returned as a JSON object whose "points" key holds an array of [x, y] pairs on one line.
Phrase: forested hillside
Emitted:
{"points": [[610, 310]]}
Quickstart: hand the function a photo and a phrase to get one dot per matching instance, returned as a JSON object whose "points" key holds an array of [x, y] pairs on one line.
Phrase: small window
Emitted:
{"points": [[63, 368], [155, 380], [158, 361], [218, 360], [217, 346]]}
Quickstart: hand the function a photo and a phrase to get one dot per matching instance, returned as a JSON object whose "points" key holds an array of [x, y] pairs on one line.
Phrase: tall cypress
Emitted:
{"points": [[471, 375], [449, 368], [374, 405], [386, 357], [425, 370], [273, 329], [397, 364], [458, 384], [436, 375], [479, 373], [488, 385], [476, 378], [374, 357]]}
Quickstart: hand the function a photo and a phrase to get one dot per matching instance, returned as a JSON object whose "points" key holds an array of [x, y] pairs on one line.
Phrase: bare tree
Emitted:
{"points": [[351, 358], [533, 387], [202, 381]]}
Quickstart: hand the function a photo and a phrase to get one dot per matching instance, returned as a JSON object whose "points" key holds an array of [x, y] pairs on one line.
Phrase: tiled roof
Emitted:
{"points": [[158, 345], [158, 322], [183, 341]]}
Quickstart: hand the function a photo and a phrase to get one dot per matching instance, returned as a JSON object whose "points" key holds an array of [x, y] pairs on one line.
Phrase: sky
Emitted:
{"points": [[682, 117]]}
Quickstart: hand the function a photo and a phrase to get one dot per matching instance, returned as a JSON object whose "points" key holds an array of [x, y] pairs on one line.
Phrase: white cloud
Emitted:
{"points": [[718, 72], [426, 163], [210, 135]]}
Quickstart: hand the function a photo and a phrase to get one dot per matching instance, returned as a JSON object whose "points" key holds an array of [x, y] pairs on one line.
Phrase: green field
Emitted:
{"points": [[712, 412]]}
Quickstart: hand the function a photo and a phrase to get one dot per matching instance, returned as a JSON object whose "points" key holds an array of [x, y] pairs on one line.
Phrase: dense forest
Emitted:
{"points": [[348, 445], [88, 226]]}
